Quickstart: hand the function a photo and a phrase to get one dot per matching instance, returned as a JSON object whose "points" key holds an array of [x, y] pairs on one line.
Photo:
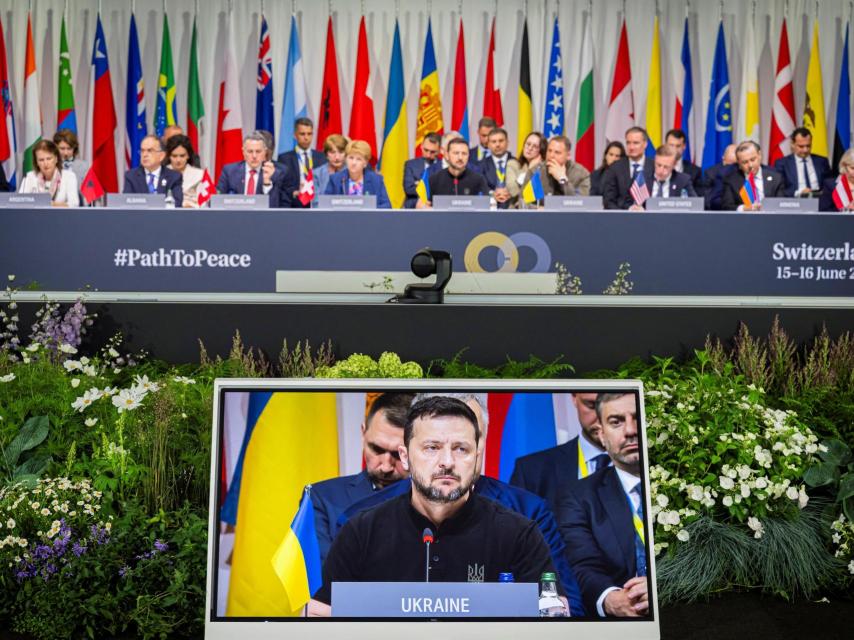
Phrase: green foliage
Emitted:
{"points": [[359, 365], [532, 368], [31, 435], [835, 471]]}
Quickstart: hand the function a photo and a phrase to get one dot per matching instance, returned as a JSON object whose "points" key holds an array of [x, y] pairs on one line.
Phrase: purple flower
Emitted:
{"points": [[161, 546], [42, 552], [78, 549], [123, 571]]}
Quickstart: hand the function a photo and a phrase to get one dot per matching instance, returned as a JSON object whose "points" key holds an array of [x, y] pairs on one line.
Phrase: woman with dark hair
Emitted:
{"points": [[179, 154], [613, 152], [69, 150], [47, 177], [519, 171]]}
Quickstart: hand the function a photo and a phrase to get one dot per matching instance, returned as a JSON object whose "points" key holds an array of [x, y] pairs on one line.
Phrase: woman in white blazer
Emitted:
{"points": [[47, 177], [179, 154]]}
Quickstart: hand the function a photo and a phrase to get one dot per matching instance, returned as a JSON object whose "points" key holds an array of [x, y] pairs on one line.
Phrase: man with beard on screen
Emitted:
{"points": [[474, 538]]}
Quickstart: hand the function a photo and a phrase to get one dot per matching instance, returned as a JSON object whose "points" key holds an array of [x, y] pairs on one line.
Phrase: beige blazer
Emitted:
{"points": [[192, 176]]}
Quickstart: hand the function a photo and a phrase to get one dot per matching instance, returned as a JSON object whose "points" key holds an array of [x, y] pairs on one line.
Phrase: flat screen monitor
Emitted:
{"points": [[352, 508]]}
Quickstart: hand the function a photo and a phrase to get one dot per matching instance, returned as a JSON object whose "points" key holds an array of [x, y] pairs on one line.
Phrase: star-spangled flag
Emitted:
{"points": [[264, 93], [842, 193], [639, 190], [553, 119]]}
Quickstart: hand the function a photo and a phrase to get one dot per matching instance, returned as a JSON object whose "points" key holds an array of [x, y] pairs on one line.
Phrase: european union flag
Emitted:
{"points": [[719, 119], [553, 121]]}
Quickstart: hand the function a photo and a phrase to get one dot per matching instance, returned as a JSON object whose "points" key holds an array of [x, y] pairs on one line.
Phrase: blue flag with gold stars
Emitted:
{"points": [[553, 120], [719, 118]]}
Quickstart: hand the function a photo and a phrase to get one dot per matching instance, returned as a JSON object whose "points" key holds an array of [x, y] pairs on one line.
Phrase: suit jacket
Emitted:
{"points": [[695, 174], [372, 182], [596, 524], [4, 184], [678, 182], [596, 181], [413, 169], [577, 181], [546, 472], [714, 179], [233, 180], [514, 498], [489, 169], [330, 498], [787, 166], [618, 180], [292, 165], [135, 182], [772, 183]]}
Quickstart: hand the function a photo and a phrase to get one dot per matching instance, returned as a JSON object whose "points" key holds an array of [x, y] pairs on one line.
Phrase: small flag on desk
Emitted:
{"points": [[306, 189], [206, 189], [842, 194], [749, 194], [639, 190], [91, 188], [423, 186], [533, 191]]}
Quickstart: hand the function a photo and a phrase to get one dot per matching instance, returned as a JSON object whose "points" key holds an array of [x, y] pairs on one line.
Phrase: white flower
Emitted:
{"points": [[835, 537], [81, 403], [7, 378], [756, 526], [127, 400], [727, 501], [726, 482], [792, 493], [683, 535], [761, 482], [145, 385], [71, 365], [84, 360], [10, 523], [90, 370], [803, 498], [113, 353], [662, 500], [695, 492], [745, 490], [851, 567], [67, 348], [45, 511], [75, 382], [33, 346], [186, 380], [90, 422]]}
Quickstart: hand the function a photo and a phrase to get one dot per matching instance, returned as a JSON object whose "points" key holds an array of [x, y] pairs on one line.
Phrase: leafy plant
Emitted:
{"points": [[835, 471], [29, 467], [533, 367]]}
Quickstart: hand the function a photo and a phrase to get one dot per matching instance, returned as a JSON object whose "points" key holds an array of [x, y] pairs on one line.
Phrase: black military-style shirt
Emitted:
{"points": [[483, 539], [468, 183]]}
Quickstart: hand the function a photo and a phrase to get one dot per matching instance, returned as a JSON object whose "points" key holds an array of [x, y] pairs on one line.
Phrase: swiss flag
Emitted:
{"points": [[306, 190], [91, 188], [206, 189]]}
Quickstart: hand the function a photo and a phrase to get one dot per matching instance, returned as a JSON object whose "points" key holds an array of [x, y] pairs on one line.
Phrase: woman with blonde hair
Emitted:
{"points": [[355, 180], [47, 177]]}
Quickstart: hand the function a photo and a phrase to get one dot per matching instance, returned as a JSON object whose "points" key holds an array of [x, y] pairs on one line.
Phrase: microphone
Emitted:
{"points": [[427, 538]]}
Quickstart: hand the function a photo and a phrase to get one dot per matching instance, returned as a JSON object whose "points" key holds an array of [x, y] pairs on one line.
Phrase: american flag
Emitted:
{"points": [[639, 191], [842, 193]]}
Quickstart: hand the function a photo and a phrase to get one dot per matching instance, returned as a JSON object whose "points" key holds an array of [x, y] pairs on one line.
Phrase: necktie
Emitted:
{"points": [[640, 552], [250, 186], [600, 461], [807, 180], [635, 170], [660, 188], [152, 188]]}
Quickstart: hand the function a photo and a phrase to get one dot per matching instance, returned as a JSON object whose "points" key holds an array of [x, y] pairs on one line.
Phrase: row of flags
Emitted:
{"points": [[719, 130]]}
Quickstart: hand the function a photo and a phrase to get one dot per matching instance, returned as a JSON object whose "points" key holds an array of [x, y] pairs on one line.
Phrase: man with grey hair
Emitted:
{"points": [[151, 176], [256, 174], [766, 182]]}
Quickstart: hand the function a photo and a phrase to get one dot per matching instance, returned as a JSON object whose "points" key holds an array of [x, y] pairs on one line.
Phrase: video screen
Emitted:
{"points": [[514, 501]]}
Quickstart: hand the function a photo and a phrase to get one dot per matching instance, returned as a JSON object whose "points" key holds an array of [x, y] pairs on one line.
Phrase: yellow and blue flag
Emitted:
{"points": [[533, 191], [423, 186], [395, 145], [297, 560], [653, 94]]}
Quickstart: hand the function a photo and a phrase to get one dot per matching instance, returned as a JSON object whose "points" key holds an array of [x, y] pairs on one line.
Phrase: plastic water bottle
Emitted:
{"points": [[684, 193], [550, 605], [169, 203], [493, 203]]}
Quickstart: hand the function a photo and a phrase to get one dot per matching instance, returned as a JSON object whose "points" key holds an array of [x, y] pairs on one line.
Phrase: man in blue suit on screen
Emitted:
{"points": [[382, 434], [602, 521], [551, 471], [151, 176]]}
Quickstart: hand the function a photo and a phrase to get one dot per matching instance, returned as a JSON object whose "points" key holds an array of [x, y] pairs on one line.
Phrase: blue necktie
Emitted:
{"points": [[640, 552], [635, 170], [152, 188], [600, 461]]}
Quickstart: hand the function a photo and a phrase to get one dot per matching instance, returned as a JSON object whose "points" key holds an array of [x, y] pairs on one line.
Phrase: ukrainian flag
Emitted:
{"points": [[533, 191], [395, 144], [423, 186], [292, 443]]}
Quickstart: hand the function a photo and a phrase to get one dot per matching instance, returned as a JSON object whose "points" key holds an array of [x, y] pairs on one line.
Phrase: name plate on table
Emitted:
{"points": [[675, 204], [461, 203], [136, 201], [24, 200], [574, 203], [790, 205], [347, 202], [435, 600], [240, 201]]}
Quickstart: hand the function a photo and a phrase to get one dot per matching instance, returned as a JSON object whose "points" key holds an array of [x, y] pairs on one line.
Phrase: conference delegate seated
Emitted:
{"points": [[335, 148], [354, 180], [561, 176], [677, 139], [613, 152], [69, 147], [803, 172], [413, 169], [494, 167], [843, 200], [617, 181], [179, 151], [763, 181], [458, 179], [151, 176], [519, 171], [664, 181], [714, 178], [47, 177], [299, 162], [255, 175]]}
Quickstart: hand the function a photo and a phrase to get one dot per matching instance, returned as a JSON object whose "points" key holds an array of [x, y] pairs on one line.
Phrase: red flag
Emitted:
{"points": [[329, 120], [103, 116], [362, 125], [460, 113], [306, 190], [229, 119], [621, 108], [205, 189], [91, 188], [492, 95], [783, 111], [842, 193]]}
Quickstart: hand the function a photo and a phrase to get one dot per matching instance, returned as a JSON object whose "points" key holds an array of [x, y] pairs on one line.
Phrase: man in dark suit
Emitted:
{"points": [[301, 159], [413, 169], [602, 521], [494, 167], [803, 171], [618, 178], [677, 139], [481, 151], [151, 176], [547, 473], [769, 183], [256, 175], [714, 178], [382, 434], [665, 181]]}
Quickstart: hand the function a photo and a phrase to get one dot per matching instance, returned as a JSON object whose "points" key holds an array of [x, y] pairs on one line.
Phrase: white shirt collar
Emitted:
{"points": [[155, 173], [588, 449], [628, 480], [504, 158]]}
